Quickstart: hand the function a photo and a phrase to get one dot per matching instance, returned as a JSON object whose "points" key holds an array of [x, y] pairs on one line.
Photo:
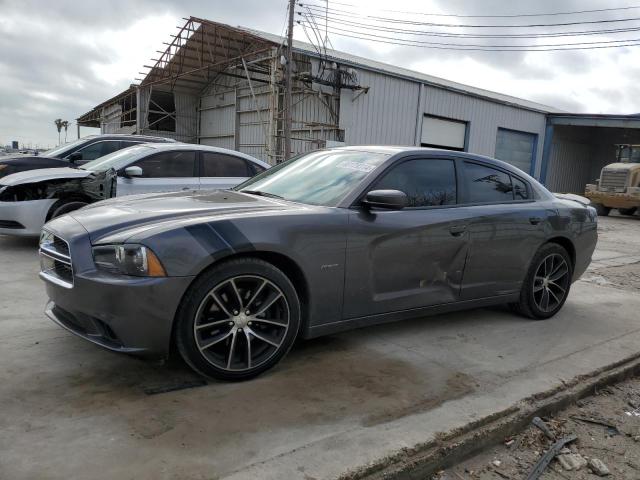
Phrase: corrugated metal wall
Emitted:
{"points": [[389, 112], [484, 119], [385, 115]]}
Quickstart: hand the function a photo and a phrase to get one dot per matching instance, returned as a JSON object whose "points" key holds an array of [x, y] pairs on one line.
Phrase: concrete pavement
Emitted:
{"points": [[336, 404]]}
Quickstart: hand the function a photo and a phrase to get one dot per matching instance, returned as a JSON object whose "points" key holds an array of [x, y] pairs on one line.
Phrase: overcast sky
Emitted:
{"points": [[60, 59]]}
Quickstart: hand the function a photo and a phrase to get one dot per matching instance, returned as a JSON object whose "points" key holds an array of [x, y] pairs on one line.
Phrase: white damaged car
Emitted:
{"points": [[29, 199]]}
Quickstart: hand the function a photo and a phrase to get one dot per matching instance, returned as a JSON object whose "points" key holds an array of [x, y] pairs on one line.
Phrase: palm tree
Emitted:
{"points": [[58, 122], [65, 124]]}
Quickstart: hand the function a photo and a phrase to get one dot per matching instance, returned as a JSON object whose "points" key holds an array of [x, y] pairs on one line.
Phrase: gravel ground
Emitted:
{"points": [[607, 429]]}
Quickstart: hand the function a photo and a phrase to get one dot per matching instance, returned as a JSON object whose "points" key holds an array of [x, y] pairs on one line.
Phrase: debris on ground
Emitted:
{"points": [[606, 444], [598, 467], [572, 461], [538, 422]]}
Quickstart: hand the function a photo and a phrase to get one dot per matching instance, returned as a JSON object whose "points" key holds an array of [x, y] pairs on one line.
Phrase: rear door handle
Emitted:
{"points": [[457, 230], [535, 220]]}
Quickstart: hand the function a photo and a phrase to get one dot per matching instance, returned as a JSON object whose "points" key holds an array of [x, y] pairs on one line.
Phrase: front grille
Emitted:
{"points": [[55, 261], [60, 245], [613, 179], [10, 224]]}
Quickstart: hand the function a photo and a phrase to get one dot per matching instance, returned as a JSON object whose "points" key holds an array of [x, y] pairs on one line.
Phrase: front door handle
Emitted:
{"points": [[186, 188], [535, 220], [457, 230]]}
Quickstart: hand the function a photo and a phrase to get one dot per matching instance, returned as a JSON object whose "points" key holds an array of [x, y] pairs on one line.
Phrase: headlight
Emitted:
{"points": [[128, 259], [45, 238]]}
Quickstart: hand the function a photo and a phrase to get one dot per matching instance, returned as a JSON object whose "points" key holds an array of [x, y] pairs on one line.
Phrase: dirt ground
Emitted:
{"points": [[606, 423]]}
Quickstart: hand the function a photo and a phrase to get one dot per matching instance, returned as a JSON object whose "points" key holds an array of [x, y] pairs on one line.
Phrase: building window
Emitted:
{"points": [[516, 148], [443, 133], [162, 111]]}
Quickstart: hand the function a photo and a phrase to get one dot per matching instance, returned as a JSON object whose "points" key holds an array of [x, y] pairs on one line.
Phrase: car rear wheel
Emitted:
{"points": [[627, 211], [238, 320], [601, 210], [547, 283]]}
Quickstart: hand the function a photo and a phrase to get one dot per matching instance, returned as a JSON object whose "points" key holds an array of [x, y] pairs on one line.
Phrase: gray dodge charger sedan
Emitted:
{"points": [[330, 240]]}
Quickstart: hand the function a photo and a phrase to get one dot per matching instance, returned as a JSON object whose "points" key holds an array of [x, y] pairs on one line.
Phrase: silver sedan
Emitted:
{"points": [[29, 199]]}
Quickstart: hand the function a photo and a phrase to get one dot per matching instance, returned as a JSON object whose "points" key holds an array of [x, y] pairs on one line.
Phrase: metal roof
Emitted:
{"points": [[368, 64]]}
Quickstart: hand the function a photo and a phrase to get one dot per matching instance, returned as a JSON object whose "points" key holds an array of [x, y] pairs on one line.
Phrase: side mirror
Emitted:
{"points": [[133, 172], [388, 199], [75, 156]]}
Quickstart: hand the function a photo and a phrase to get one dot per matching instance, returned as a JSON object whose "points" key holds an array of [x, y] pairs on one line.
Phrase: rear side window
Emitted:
{"points": [[520, 190], [221, 165], [99, 149], [168, 164], [486, 184], [427, 182]]}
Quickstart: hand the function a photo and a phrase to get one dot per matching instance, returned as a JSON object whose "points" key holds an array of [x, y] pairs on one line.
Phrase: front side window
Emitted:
{"points": [[426, 182], [221, 165], [486, 184], [318, 178], [168, 164]]}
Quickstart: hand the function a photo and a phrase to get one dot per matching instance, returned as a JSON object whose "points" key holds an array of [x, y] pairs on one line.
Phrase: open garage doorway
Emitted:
{"points": [[578, 146]]}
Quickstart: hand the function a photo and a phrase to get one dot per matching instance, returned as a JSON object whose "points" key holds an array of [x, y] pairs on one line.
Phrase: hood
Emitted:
{"points": [[622, 166], [117, 219], [42, 174]]}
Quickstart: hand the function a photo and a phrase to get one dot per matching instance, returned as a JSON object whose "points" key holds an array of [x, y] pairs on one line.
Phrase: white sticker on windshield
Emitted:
{"points": [[360, 167]]}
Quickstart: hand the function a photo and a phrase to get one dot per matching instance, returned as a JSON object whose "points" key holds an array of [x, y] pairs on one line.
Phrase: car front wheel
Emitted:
{"points": [[547, 283], [238, 319]]}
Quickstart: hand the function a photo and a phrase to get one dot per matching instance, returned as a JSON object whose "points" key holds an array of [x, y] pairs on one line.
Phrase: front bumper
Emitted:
{"points": [[122, 313], [614, 199], [24, 219]]}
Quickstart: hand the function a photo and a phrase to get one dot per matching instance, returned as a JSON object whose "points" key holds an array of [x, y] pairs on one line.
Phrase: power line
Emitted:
{"points": [[575, 12], [419, 42], [415, 43], [428, 33], [342, 13]]}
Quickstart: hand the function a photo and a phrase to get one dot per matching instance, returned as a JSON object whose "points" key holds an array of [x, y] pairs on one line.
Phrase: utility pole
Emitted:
{"points": [[288, 80]]}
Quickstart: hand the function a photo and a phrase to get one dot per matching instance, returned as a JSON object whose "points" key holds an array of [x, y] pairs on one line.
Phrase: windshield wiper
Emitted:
{"points": [[262, 194]]}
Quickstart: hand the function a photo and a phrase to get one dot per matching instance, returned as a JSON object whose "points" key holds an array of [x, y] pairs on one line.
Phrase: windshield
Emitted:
{"points": [[61, 150], [116, 160], [629, 153], [317, 178]]}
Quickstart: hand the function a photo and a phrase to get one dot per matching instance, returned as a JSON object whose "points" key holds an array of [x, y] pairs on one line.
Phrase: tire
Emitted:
{"points": [[601, 210], [62, 207], [627, 211], [235, 345], [549, 261]]}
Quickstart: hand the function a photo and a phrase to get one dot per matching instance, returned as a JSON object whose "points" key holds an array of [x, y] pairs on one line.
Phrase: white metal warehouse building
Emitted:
{"points": [[220, 85]]}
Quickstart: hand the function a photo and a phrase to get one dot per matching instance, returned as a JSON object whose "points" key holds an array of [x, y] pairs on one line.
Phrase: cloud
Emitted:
{"points": [[60, 59]]}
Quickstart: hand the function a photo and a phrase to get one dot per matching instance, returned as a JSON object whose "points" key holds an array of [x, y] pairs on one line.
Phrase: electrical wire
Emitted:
{"points": [[453, 47], [428, 33], [418, 42], [575, 12], [341, 13]]}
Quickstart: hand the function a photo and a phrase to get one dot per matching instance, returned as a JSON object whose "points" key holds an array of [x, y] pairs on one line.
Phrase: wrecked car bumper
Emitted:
{"points": [[24, 218], [119, 312]]}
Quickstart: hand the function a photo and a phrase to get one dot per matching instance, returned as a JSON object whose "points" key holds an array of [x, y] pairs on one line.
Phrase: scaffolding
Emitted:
{"points": [[223, 86]]}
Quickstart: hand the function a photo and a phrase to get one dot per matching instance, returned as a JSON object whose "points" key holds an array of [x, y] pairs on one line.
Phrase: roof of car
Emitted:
{"points": [[204, 148], [128, 136]]}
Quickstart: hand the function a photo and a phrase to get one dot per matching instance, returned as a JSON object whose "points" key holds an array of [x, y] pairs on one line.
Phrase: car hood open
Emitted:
{"points": [[117, 219], [43, 174]]}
